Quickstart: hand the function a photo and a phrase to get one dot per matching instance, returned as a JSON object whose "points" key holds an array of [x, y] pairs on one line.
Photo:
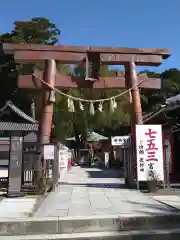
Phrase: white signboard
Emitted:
{"points": [[120, 140], [149, 152], [49, 151]]}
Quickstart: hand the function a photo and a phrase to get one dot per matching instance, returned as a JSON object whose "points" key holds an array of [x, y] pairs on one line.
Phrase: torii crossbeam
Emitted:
{"points": [[64, 81]]}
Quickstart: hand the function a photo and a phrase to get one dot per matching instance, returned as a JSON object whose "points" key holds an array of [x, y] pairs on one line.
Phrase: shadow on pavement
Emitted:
{"points": [[103, 173], [160, 207], [97, 185]]}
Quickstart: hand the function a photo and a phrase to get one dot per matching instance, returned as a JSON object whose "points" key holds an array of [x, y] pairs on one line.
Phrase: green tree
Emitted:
{"points": [[34, 31], [37, 30], [150, 97], [170, 80]]}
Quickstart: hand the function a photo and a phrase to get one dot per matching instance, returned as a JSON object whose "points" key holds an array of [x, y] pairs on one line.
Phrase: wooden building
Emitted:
{"points": [[14, 122], [168, 115]]}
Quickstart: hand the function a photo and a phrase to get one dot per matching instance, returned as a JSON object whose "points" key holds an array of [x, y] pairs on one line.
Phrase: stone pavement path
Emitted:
{"points": [[16, 207], [91, 191], [170, 200]]}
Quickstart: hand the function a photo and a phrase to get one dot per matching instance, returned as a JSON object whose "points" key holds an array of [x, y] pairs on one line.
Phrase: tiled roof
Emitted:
{"points": [[170, 104], [18, 112], [175, 100], [151, 115], [11, 126]]}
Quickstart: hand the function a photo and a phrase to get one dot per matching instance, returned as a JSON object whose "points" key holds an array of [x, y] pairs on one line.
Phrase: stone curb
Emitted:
{"points": [[56, 225], [170, 234]]}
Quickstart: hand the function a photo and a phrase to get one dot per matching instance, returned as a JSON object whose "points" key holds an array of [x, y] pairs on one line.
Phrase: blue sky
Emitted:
{"points": [[125, 23]]}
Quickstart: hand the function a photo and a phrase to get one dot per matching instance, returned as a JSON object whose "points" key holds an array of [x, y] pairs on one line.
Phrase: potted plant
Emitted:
{"points": [[152, 181]]}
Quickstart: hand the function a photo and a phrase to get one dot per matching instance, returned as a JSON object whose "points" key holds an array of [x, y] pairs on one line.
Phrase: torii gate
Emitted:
{"points": [[93, 57]]}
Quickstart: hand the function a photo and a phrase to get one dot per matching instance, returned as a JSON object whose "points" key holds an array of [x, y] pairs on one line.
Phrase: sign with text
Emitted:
{"points": [[15, 166], [149, 152], [49, 152], [120, 140]]}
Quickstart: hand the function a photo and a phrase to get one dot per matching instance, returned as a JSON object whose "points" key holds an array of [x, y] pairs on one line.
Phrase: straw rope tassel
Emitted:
{"points": [[114, 103], [71, 107], [111, 105], [91, 109], [81, 107], [100, 107], [130, 97], [52, 97]]}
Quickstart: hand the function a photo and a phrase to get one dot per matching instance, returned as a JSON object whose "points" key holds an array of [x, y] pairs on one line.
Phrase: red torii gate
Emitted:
{"points": [[93, 57]]}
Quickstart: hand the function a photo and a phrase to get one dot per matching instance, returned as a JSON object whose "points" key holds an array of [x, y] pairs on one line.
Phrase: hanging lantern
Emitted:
{"points": [[91, 109]]}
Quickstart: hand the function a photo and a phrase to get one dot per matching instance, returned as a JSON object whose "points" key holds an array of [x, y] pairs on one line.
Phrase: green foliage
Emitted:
{"points": [[170, 87], [171, 82], [36, 30]]}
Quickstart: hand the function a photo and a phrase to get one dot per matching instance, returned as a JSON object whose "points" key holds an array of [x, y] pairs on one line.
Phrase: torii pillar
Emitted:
{"points": [[135, 108], [130, 69], [47, 104], [46, 116]]}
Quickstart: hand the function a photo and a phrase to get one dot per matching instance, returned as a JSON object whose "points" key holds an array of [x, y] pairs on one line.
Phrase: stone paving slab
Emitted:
{"points": [[170, 200], [16, 207], [91, 191]]}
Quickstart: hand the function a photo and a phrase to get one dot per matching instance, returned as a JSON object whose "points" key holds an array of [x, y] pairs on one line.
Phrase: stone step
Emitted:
{"points": [[172, 234], [68, 225]]}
